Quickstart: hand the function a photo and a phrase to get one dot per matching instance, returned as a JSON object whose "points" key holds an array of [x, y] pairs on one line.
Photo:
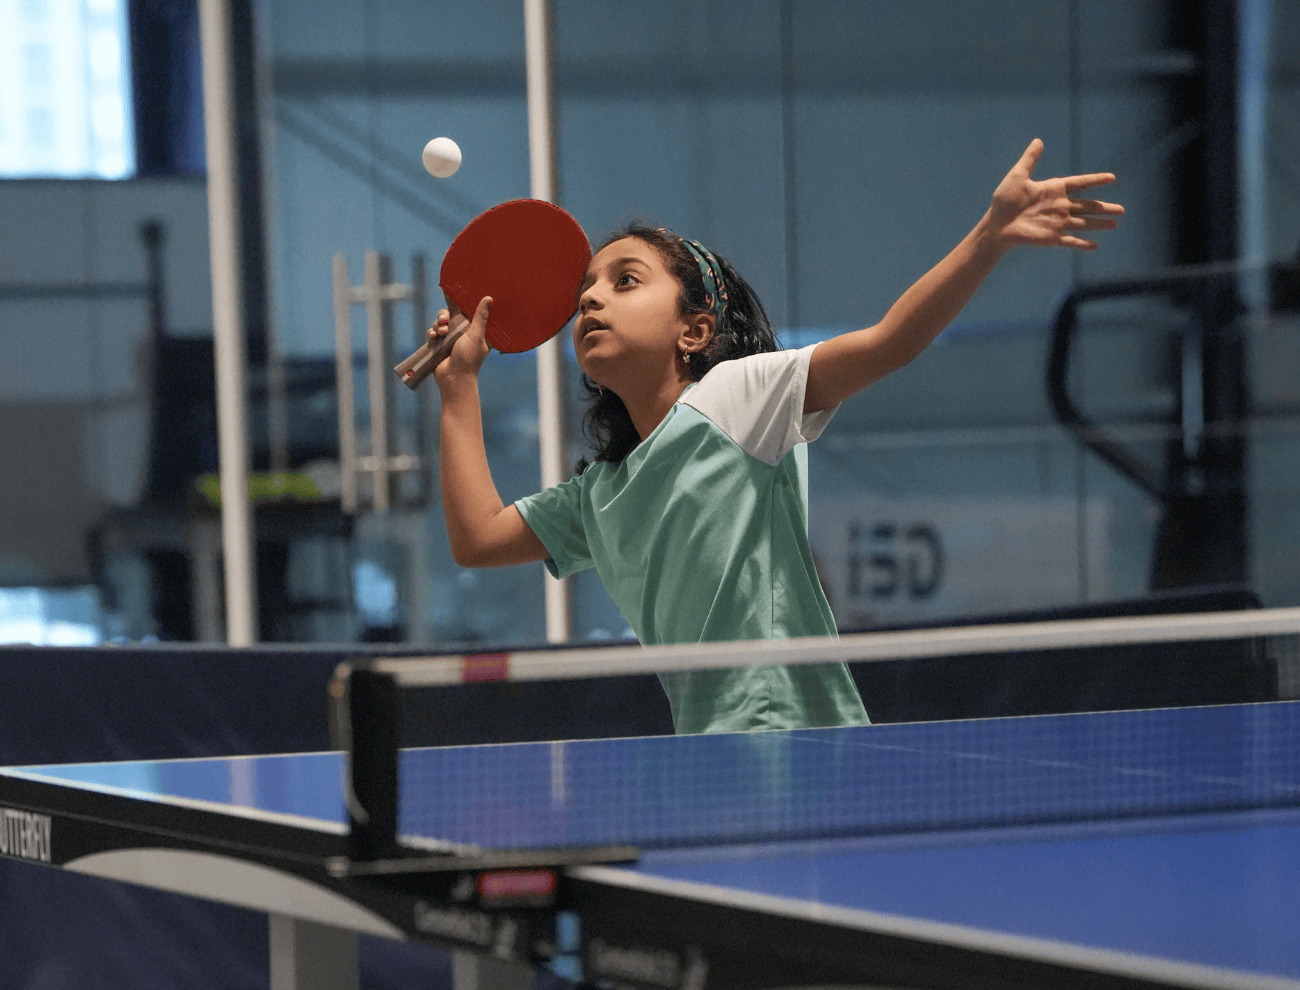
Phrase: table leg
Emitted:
{"points": [[306, 955], [470, 971]]}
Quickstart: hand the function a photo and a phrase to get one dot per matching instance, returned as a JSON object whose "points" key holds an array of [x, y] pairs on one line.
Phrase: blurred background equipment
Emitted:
{"points": [[395, 448], [954, 489]]}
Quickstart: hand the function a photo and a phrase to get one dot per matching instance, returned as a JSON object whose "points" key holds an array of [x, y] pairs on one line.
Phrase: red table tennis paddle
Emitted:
{"points": [[530, 257]]}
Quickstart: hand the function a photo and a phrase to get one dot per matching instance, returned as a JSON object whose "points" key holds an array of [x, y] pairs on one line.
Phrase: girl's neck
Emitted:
{"points": [[647, 406]]}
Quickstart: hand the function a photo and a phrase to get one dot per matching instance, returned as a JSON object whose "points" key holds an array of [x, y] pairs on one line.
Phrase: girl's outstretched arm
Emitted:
{"points": [[1023, 211], [482, 531]]}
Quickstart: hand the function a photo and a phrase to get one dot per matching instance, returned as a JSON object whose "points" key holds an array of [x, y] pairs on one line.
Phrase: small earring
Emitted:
{"points": [[686, 357]]}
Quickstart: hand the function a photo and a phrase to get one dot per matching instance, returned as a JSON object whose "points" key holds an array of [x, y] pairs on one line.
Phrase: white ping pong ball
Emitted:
{"points": [[441, 157]]}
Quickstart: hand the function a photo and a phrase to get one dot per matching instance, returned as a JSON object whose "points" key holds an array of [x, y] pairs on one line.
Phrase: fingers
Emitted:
{"points": [[451, 320], [1093, 223], [1073, 183], [440, 328], [1078, 243], [458, 346], [1081, 206]]}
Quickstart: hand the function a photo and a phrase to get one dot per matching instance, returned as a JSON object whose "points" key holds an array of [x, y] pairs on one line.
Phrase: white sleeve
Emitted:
{"points": [[758, 402]]}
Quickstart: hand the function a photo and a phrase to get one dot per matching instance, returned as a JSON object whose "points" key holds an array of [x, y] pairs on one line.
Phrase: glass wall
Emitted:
{"points": [[833, 151], [355, 97], [66, 75]]}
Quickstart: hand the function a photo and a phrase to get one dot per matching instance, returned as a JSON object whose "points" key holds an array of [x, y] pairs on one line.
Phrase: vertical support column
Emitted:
{"points": [[378, 362], [424, 405], [1222, 510], [346, 395], [789, 168], [474, 971], [228, 320], [263, 98], [419, 568], [550, 379], [1255, 20], [151, 235], [205, 579], [306, 955], [1203, 535]]}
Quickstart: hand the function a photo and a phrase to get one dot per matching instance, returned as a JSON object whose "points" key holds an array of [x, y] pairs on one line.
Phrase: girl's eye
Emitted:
{"points": [[627, 278]]}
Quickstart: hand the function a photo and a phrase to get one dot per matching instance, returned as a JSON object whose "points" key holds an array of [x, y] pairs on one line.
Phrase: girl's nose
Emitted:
{"points": [[588, 299]]}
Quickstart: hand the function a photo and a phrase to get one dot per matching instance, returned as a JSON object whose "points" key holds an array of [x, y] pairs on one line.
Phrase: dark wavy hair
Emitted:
{"points": [[744, 329]]}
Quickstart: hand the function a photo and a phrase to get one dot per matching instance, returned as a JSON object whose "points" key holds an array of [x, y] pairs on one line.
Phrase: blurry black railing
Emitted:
{"points": [[1192, 285]]}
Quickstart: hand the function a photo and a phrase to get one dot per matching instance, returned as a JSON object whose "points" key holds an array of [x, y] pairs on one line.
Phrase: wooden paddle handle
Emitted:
{"points": [[419, 366]]}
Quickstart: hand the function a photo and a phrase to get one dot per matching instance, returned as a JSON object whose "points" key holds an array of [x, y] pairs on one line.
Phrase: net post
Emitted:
{"points": [[367, 715]]}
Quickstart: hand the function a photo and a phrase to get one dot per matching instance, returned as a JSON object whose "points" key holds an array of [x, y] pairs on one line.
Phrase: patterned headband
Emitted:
{"points": [[715, 289]]}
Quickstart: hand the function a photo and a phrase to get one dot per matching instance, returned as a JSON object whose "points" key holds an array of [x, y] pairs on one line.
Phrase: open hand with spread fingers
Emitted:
{"points": [[1046, 214]]}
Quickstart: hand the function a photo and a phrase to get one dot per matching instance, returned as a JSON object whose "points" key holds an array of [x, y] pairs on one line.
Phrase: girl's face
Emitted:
{"points": [[629, 320]]}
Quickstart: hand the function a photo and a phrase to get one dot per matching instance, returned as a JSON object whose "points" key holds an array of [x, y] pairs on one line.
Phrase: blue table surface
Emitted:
{"points": [[1174, 834]]}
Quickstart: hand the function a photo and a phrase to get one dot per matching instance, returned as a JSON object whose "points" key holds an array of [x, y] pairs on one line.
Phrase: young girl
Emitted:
{"points": [[694, 511]]}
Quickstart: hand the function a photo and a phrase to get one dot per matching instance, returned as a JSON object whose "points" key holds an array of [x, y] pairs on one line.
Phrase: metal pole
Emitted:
{"points": [[277, 400], [541, 162], [228, 321], [377, 374], [349, 494], [1252, 146]]}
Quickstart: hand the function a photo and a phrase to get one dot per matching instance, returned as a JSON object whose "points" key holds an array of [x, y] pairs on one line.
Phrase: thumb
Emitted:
{"points": [[478, 324], [1030, 158]]}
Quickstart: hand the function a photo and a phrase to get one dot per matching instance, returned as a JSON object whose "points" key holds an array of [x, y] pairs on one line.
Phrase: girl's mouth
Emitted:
{"points": [[589, 324]]}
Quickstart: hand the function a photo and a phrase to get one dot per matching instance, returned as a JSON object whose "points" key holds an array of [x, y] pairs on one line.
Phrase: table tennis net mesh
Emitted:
{"points": [[877, 780]]}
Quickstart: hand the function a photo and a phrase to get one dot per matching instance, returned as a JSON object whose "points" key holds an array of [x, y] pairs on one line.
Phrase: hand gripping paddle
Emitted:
{"points": [[531, 258]]}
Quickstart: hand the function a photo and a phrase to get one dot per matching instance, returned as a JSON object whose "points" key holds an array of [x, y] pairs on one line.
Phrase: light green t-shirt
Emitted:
{"points": [[701, 534]]}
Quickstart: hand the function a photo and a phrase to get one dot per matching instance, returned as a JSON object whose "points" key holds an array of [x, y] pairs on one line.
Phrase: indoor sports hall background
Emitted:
{"points": [[832, 150], [1116, 432]]}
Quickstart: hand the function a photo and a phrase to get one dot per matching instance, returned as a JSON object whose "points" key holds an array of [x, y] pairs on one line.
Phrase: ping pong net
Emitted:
{"points": [[602, 800]]}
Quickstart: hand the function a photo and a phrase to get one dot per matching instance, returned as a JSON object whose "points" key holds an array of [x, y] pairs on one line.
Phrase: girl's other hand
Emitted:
{"points": [[1044, 214]]}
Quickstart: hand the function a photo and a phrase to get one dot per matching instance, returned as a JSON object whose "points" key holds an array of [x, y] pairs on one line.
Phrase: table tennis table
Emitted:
{"points": [[1122, 849]]}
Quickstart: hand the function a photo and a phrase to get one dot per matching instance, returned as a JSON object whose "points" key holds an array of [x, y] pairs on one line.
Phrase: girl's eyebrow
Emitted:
{"points": [[617, 262]]}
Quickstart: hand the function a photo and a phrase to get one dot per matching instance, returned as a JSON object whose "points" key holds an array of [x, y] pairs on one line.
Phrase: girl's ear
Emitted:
{"points": [[698, 332]]}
